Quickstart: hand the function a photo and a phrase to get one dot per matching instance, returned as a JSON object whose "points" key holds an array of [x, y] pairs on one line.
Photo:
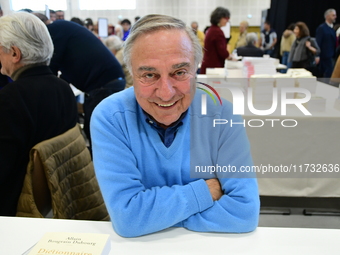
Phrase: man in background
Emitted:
{"points": [[268, 39], [53, 15], [241, 41], [60, 15], [35, 107], [250, 50], [200, 35], [85, 62], [326, 39]]}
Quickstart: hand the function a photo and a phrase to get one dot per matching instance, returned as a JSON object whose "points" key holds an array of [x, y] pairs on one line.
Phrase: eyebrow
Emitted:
{"points": [[180, 65], [146, 68], [175, 66]]}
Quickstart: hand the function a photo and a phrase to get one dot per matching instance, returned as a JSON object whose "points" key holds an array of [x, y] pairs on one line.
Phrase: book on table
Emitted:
{"points": [[72, 244]]}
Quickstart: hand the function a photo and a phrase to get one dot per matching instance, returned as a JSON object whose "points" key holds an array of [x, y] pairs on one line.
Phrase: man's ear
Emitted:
{"points": [[16, 54]]}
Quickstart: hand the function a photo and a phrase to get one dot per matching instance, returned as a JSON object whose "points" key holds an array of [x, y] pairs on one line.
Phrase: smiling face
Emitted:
{"points": [[163, 74]]}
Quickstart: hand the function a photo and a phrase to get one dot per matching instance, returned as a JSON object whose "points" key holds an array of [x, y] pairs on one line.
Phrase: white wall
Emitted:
{"points": [[187, 10]]}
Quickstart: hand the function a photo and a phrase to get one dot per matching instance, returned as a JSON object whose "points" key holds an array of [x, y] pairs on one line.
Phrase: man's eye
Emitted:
{"points": [[149, 78], [150, 75], [180, 74]]}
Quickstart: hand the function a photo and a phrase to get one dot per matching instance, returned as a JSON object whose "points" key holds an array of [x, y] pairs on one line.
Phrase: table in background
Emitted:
{"points": [[315, 140], [19, 234]]}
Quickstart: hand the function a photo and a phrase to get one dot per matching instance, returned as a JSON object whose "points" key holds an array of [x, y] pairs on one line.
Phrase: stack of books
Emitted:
{"points": [[258, 66], [284, 81], [262, 89], [308, 83]]}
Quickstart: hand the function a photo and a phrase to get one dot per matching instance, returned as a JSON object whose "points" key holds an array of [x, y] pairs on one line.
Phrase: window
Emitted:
{"points": [[107, 4], [38, 5]]}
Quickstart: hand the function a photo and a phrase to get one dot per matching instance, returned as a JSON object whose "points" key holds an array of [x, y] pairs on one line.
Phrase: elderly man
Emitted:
{"points": [[200, 35], [147, 141], [326, 39], [241, 41], [250, 50], [35, 107]]}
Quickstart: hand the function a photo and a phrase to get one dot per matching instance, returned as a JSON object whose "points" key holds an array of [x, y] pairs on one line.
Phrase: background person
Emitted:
{"points": [[326, 39], [241, 40], [53, 15], [304, 48], [287, 40], [60, 15], [126, 25], [141, 142], [85, 62], [200, 35], [115, 45], [215, 46], [268, 39], [250, 50], [37, 106]]}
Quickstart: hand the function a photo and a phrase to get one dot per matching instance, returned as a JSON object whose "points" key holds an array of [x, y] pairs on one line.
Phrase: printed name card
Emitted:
{"points": [[72, 244]]}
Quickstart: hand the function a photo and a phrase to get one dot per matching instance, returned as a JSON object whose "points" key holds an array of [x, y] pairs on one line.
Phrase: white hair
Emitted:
{"points": [[29, 34], [251, 38], [113, 42], [328, 12], [156, 22], [119, 31]]}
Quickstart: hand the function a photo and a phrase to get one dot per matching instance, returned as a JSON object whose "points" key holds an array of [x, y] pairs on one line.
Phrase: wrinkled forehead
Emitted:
{"points": [[164, 38]]}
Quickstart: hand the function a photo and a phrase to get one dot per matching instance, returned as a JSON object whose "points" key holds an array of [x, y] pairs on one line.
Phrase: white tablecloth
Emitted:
{"points": [[19, 234]]}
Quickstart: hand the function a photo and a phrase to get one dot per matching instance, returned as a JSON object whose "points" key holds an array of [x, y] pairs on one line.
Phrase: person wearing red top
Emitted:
{"points": [[215, 45]]}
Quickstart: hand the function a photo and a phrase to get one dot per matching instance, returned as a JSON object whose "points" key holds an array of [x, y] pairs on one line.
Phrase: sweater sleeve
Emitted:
{"points": [[134, 209], [237, 210]]}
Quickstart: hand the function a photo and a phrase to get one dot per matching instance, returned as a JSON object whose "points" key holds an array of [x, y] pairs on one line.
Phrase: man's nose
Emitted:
{"points": [[166, 90]]}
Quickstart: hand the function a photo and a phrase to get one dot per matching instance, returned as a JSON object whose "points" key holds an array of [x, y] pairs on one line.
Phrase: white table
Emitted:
{"points": [[316, 140], [18, 234]]}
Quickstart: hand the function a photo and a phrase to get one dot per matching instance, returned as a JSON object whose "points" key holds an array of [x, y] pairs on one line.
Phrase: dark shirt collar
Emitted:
{"points": [[168, 134]]}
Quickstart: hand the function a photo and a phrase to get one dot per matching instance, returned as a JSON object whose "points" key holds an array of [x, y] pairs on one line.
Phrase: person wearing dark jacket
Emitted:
{"points": [[37, 106], [304, 49], [326, 39], [250, 50], [85, 62], [215, 46]]}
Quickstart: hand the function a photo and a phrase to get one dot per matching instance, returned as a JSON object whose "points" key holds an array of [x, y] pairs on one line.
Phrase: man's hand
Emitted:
{"points": [[215, 188]]}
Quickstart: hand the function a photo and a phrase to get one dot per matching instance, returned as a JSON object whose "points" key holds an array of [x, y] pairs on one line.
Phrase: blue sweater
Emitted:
{"points": [[147, 187]]}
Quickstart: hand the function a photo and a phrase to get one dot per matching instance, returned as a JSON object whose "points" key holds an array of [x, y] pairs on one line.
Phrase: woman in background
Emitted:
{"points": [[215, 46], [304, 49], [287, 40]]}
